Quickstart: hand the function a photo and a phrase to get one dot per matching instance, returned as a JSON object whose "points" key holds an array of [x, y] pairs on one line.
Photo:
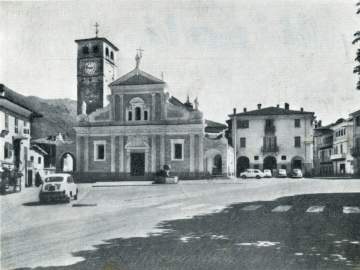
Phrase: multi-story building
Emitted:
{"points": [[355, 150], [323, 149], [15, 131], [272, 138], [341, 157]]}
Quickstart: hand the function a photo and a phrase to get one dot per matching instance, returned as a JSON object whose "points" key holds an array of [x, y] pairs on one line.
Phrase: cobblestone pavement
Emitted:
{"points": [[112, 224]]}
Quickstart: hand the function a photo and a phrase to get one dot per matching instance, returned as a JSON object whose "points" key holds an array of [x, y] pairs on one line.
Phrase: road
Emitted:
{"points": [[82, 235]]}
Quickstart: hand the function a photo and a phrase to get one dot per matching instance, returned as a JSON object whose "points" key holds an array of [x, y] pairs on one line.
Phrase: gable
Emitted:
{"points": [[137, 77]]}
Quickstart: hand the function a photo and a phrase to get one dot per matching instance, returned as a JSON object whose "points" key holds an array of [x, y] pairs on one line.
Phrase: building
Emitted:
{"points": [[335, 148], [323, 149], [272, 138], [15, 131], [355, 150], [142, 129], [342, 143], [36, 163]]}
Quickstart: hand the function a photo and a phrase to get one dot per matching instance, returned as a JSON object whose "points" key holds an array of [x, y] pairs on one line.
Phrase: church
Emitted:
{"points": [[129, 127]]}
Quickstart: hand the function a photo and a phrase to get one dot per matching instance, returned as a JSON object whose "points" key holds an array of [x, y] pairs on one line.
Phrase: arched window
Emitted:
{"points": [[138, 110], [137, 113], [107, 51], [112, 55], [85, 50]]}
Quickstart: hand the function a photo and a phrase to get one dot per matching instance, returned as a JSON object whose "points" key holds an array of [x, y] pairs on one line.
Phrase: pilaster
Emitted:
{"points": [[201, 154], [162, 106], [192, 153], [78, 167], [122, 109], [162, 150], [153, 153], [112, 152], [153, 107], [86, 154], [121, 153]]}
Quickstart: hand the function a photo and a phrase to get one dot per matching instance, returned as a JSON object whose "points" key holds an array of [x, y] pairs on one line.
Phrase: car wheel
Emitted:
{"points": [[243, 177], [75, 197], [258, 177], [67, 199]]}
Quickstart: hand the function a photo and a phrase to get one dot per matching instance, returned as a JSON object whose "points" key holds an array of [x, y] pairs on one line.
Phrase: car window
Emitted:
{"points": [[54, 179], [69, 179]]}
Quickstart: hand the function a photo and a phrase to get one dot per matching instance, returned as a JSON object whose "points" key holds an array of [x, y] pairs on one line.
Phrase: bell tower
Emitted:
{"points": [[96, 69]]}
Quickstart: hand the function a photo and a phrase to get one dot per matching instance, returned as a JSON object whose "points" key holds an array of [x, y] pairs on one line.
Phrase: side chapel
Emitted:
{"points": [[142, 127]]}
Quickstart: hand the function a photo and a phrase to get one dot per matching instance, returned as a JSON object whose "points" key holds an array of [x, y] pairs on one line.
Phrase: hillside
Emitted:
{"points": [[59, 115]]}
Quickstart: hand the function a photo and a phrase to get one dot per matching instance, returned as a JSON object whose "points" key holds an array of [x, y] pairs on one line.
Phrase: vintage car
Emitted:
{"points": [[267, 173], [252, 173], [58, 187], [296, 173], [281, 173]]}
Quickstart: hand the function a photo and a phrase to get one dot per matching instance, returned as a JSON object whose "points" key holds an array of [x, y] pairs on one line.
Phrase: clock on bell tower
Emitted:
{"points": [[96, 69]]}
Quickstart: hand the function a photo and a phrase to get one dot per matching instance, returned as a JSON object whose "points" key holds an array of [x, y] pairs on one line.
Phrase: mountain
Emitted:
{"points": [[59, 115]]}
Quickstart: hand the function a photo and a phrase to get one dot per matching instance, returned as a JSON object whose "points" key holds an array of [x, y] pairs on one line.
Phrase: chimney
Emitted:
{"points": [[234, 110], [302, 109], [319, 123], [287, 106], [259, 106], [277, 106], [245, 109]]}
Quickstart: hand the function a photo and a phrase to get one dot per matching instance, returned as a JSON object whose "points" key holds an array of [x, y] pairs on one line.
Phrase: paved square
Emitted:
{"points": [[282, 208], [351, 210], [315, 209], [251, 207]]}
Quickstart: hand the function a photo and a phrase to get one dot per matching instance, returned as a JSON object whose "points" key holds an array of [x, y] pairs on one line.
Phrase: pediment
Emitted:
{"points": [[137, 77]]}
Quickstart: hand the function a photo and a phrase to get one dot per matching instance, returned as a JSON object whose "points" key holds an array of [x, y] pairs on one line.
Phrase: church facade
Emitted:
{"points": [[142, 129]]}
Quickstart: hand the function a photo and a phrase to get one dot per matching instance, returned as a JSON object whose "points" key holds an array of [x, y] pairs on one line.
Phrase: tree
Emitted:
{"points": [[357, 58]]}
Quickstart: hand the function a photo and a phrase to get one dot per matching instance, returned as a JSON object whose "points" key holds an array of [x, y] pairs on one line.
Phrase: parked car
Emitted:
{"points": [[281, 173], [267, 173], [252, 173], [296, 173], [58, 187]]}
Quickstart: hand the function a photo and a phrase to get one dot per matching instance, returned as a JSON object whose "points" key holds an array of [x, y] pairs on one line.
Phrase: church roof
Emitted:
{"points": [[173, 100], [18, 99], [272, 111], [214, 127], [137, 77]]}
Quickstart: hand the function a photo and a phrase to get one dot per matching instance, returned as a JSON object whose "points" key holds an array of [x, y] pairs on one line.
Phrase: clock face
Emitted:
{"points": [[90, 68]]}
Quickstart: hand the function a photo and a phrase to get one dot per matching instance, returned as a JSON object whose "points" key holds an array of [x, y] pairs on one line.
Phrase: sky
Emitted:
{"points": [[227, 53]]}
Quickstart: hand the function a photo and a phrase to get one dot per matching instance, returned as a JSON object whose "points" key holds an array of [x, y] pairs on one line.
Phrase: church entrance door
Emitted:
{"points": [[137, 164]]}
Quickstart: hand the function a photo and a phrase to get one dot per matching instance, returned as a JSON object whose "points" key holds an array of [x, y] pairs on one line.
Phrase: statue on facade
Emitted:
{"points": [[196, 103], [83, 108]]}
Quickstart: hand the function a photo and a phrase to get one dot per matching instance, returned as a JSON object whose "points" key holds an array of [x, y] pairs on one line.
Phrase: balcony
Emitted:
{"points": [[355, 151], [270, 129], [270, 149], [337, 156]]}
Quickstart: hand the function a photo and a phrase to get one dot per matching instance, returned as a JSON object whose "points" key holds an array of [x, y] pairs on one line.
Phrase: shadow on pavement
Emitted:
{"points": [[238, 239], [37, 203]]}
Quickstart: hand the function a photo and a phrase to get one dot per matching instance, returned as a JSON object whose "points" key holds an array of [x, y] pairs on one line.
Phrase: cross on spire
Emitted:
{"points": [[96, 25], [138, 57]]}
